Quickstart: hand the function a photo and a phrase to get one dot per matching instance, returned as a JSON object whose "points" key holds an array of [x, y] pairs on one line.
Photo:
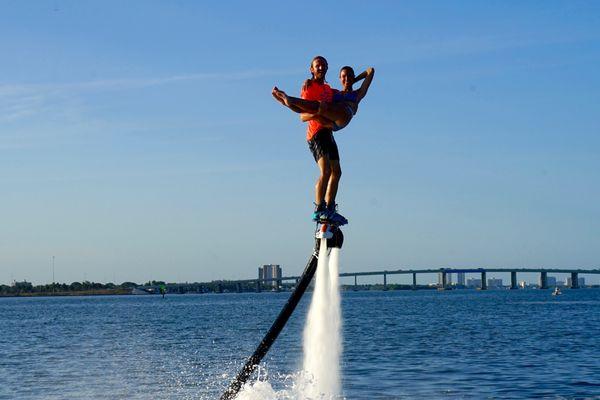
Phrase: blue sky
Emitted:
{"points": [[139, 141]]}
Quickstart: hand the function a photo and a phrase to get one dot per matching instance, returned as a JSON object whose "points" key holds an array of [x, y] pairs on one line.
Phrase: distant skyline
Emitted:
{"points": [[139, 140]]}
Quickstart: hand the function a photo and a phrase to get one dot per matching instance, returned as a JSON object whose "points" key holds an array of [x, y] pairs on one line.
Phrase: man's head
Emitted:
{"points": [[318, 68], [347, 77]]}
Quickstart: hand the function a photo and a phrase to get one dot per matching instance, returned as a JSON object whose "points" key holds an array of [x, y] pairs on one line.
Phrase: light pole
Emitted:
{"points": [[53, 285]]}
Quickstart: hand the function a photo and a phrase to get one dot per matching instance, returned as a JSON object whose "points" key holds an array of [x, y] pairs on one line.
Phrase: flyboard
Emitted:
{"points": [[335, 238]]}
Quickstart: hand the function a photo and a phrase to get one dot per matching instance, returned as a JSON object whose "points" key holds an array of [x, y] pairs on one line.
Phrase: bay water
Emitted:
{"points": [[460, 344]]}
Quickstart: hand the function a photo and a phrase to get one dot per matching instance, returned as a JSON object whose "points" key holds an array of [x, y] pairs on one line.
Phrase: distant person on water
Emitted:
{"points": [[326, 110]]}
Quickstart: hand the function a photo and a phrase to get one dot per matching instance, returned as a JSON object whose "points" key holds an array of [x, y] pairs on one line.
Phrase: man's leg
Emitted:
{"points": [[322, 184], [320, 188], [332, 184]]}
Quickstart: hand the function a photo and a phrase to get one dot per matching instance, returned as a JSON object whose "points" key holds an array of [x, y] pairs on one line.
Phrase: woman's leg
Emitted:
{"points": [[279, 99], [296, 104], [336, 112]]}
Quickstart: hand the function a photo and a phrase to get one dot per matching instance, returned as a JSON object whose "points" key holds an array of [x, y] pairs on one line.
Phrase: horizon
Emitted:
{"points": [[140, 140]]}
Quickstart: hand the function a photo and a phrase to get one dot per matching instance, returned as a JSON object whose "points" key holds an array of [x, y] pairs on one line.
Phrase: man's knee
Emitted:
{"points": [[325, 168], [336, 171]]}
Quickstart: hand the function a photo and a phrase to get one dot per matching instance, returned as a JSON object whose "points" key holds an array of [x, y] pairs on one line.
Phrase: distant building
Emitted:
{"points": [[270, 271], [551, 281], [460, 278], [473, 282], [494, 283], [441, 279], [580, 280]]}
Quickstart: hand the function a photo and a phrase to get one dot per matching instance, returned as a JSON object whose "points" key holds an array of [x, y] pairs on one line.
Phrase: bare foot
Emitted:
{"points": [[280, 96], [276, 97]]}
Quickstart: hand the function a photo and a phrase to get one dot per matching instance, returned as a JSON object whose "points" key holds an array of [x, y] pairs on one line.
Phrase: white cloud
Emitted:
{"points": [[19, 101]]}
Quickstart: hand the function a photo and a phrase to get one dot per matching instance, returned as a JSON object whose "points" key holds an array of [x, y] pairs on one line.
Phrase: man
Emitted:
{"points": [[322, 145]]}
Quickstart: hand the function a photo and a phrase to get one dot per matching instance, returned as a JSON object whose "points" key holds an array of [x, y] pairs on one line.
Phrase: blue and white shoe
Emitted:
{"points": [[331, 215], [319, 212], [338, 219]]}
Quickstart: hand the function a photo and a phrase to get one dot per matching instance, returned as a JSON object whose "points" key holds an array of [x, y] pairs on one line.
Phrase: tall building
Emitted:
{"points": [[443, 279], [460, 278], [270, 271]]}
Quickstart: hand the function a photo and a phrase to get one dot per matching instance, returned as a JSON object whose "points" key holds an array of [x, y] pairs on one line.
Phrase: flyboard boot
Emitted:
{"points": [[328, 226]]}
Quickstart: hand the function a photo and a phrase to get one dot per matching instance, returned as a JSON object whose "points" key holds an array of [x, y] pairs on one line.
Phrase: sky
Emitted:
{"points": [[139, 140]]}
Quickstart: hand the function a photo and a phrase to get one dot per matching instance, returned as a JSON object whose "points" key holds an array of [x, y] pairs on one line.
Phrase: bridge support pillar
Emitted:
{"points": [[442, 280], [384, 281], [483, 281], [355, 283], [574, 280], [544, 280], [513, 280], [258, 289], [414, 285]]}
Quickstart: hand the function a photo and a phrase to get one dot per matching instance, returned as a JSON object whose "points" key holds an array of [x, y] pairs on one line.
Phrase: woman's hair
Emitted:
{"points": [[348, 69]]}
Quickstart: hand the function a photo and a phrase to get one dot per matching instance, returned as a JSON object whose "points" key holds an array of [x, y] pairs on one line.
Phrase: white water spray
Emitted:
{"points": [[322, 333], [320, 378]]}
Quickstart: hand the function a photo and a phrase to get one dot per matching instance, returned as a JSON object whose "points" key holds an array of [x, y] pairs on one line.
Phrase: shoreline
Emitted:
{"points": [[344, 288]]}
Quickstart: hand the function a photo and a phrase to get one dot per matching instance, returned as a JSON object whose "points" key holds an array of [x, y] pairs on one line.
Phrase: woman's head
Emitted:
{"points": [[347, 77], [318, 68]]}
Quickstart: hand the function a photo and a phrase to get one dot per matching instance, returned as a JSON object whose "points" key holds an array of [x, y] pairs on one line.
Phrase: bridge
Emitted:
{"points": [[443, 274], [443, 280]]}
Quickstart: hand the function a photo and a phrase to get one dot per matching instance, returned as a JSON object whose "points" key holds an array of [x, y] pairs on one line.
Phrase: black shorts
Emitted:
{"points": [[323, 145]]}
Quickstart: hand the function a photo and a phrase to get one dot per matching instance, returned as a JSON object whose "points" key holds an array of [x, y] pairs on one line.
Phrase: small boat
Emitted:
{"points": [[556, 291]]}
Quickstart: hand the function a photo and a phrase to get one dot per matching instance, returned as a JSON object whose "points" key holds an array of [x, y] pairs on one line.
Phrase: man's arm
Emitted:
{"points": [[305, 117]]}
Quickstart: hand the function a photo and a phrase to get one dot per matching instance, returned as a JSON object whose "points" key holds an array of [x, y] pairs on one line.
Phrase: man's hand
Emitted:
{"points": [[305, 117]]}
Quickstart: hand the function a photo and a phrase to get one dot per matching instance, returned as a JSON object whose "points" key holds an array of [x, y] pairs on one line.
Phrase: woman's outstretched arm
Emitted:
{"points": [[368, 77]]}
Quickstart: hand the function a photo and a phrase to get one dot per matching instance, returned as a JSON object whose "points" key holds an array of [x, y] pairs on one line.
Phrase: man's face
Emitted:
{"points": [[319, 68]]}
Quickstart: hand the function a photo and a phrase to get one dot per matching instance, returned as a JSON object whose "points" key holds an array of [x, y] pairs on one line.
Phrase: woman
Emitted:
{"points": [[344, 105]]}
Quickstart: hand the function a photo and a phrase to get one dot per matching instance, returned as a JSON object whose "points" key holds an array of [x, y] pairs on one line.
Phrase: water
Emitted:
{"points": [[401, 344], [322, 338]]}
